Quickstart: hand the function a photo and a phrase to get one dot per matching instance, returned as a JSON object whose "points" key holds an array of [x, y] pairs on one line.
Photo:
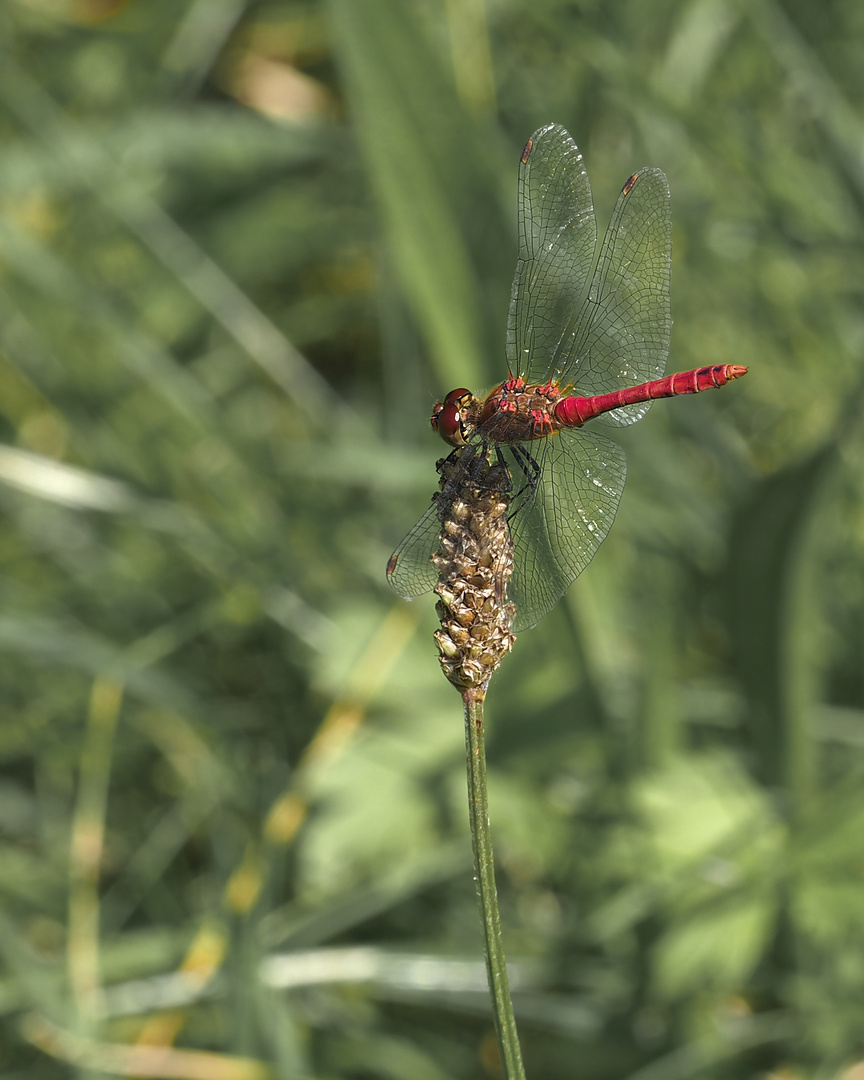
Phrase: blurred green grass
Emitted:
{"points": [[243, 248]]}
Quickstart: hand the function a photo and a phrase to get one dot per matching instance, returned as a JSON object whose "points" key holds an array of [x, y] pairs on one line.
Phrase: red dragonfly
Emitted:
{"points": [[576, 344]]}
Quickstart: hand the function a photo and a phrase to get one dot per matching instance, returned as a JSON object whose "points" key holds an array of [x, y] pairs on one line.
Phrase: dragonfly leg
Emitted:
{"points": [[469, 466], [483, 474], [530, 469], [499, 478]]}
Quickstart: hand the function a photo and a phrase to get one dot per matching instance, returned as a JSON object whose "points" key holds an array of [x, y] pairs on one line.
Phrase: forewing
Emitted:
{"points": [[621, 336], [409, 571], [557, 532], [557, 241]]}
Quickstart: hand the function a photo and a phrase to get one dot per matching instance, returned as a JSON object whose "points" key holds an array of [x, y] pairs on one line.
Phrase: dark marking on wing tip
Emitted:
{"points": [[526, 153], [628, 187], [391, 564]]}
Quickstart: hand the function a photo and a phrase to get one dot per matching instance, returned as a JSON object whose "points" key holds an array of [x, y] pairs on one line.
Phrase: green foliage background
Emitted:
{"points": [[243, 247]]}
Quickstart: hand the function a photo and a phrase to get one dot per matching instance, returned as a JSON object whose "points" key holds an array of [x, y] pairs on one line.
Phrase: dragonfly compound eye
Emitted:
{"points": [[447, 417], [448, 423]]}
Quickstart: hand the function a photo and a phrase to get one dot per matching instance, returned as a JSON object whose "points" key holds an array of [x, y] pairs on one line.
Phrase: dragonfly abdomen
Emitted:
{"points": [[575, 411]]}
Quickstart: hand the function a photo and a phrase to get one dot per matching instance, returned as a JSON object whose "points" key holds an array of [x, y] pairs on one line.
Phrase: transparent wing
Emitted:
{"points": [[557, 241], [621, 335], [557, 532], [409, 571], [566, 491]]}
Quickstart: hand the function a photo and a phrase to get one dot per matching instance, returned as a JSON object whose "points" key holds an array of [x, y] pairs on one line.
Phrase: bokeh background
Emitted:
{"points": [[244, 246]]}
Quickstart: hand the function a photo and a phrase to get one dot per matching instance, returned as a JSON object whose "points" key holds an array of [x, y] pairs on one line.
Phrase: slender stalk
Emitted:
{"points": [[484, 875]]}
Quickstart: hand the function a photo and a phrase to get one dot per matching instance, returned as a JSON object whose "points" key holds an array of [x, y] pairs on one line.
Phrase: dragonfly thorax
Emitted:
{"points": [[517, 411], [513, 411]]}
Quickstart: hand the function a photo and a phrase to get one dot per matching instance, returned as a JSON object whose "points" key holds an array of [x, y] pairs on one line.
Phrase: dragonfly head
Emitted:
{"points": [[447, 417]]}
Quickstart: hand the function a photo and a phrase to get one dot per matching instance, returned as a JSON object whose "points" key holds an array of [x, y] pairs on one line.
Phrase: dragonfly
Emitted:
{"points": [[587, 340]]}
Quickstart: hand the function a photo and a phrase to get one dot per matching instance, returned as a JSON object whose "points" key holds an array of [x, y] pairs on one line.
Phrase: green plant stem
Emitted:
{"points": [[487, 894]]}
